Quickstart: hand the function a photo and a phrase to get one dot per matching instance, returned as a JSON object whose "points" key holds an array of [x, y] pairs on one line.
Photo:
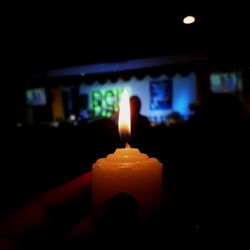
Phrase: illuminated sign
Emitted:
{"points": [[160, 96], [229, 82], [36, 97], [105, 103]]}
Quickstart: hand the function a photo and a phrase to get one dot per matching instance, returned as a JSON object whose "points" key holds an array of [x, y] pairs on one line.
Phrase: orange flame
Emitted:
{"points": [[124, 116]]}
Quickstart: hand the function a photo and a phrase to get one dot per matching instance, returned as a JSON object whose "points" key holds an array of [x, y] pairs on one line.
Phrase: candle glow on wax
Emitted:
{"points": [[124, 123], [128, 170]]}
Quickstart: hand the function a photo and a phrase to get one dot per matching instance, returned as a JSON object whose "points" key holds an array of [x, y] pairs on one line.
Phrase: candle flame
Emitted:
{"points": [[124, 116]]}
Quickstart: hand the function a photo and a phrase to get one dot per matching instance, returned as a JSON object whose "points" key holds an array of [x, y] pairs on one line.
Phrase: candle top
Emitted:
{"points": [[128, 158]]}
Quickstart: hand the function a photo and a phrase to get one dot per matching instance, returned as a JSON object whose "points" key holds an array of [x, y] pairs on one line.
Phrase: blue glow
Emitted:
{"points": [[184, 94], [125, 65], [36, 97], [225, 82]]}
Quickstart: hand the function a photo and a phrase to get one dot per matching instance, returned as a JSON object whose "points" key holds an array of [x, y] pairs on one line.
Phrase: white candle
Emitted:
{"points": [[128, 170]]}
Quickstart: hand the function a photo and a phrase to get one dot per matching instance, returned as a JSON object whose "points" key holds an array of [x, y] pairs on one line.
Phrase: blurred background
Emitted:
{"points": [[63, 70]]}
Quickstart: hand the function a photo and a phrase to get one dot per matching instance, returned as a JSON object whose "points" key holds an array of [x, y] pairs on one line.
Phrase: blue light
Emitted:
{"points": [[184, 94]]}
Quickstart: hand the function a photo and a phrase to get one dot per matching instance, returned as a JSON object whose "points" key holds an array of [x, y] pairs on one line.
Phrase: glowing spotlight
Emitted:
{"points": [[72, 117], [189, 19]]}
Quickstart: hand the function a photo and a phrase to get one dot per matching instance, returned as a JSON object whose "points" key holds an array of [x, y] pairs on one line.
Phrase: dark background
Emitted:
{"points": [[38, 37], [47, 36]]}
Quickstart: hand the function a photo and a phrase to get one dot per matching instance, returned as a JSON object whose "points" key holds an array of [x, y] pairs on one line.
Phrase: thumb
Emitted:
{"points": [[115, 215]]}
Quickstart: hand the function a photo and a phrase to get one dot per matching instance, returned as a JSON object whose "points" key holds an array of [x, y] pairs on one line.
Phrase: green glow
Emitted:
{"points": [[105, 103]]}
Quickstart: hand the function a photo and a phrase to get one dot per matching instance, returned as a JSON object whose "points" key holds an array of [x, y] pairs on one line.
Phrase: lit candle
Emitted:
{"points": [[128, 170]]}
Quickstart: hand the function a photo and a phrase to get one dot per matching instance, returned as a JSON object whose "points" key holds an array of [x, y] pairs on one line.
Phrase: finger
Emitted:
{"points": [[27, 219], [115, 214], [68, 192], [35, 214], [7, 244]]}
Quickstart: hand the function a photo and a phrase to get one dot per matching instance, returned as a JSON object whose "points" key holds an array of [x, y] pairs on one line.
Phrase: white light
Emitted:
{"points": [[19, 124], [124, 114], [72, 117], [55, 124], [189, 19]]}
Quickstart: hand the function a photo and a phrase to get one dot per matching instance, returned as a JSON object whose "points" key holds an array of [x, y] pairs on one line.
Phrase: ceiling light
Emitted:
{"points": [[189, 19]]}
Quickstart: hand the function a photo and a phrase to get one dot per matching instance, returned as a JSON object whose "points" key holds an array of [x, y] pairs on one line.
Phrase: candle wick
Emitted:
{"points": [[127, 145]]}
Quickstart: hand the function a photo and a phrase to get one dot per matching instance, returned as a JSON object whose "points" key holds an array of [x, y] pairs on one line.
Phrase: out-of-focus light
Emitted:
{"points": [[55, 124], [72, 117], [189, 19]]}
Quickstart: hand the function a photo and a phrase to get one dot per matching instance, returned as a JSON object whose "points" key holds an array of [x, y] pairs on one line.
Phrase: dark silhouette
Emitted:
{"points": [[136, 117], [140, 124], [196, 119]]}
